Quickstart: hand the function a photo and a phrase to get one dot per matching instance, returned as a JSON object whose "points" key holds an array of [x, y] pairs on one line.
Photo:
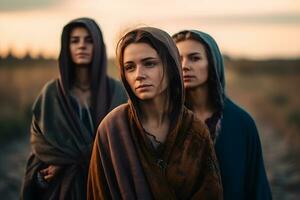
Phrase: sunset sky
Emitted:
{"points": [[254, 29]]}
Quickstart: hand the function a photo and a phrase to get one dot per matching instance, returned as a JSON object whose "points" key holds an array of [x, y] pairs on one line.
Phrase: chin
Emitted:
{"points": [[145, 97], [83, 62], [195, 86], [189, 86]]}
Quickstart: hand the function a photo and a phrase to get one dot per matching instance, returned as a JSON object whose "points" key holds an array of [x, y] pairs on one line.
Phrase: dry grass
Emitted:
{"points": [[272, 98]]}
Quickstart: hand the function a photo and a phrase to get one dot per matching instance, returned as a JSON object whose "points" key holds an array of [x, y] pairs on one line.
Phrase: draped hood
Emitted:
{"points": [[217, 76], [98, 68], [175, 87]]}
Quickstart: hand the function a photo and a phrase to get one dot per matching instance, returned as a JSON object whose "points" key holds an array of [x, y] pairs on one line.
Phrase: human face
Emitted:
{"points": [[194, 63], [81, 46], [144, 71]]}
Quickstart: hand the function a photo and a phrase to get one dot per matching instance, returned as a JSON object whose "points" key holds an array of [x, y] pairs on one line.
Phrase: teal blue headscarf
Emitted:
{"points": [[216, 58]]}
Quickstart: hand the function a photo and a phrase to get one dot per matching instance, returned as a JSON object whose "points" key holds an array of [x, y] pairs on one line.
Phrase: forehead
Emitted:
{"points": [[138, 51], [190, 46], [79, 31]]}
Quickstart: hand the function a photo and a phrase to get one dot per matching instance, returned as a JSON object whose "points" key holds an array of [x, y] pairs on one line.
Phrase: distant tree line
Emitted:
{"points": [[10, 59], [249, 66]]}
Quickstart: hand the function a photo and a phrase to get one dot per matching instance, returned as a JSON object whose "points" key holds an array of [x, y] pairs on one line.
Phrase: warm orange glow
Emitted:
{"points": [[38, 31]]}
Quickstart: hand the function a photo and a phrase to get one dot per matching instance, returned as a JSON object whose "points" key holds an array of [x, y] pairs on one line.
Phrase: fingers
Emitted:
{"points": [[44, 171], [50, 172], [53, 169], [49, 177]]}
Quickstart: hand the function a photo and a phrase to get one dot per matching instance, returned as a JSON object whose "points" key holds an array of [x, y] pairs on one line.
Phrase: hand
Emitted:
{"points": [[50, 172]]}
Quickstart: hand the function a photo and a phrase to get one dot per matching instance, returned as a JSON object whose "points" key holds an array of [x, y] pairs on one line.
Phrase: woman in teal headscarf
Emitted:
{"points": [[232, 129]]}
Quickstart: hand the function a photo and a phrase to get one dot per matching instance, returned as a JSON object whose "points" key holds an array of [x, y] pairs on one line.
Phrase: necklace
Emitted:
{"points": [[82, 88]]}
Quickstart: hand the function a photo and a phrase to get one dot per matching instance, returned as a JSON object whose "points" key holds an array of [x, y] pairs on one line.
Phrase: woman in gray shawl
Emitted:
{"points": [[66, 113]]}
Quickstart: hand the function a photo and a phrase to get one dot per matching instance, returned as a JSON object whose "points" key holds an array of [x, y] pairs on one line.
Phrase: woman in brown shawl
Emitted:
{"points": [[65, 115], [152, 147]]}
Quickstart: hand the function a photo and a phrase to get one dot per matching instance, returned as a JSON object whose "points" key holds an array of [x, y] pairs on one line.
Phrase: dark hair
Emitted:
{"points": [[142, 36], [212, 77]]}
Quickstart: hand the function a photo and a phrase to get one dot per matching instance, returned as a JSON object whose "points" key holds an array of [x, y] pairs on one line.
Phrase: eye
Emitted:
{"points": [[74, 40], [89, 40], [129, 67], [150, 63], [195, 58]]}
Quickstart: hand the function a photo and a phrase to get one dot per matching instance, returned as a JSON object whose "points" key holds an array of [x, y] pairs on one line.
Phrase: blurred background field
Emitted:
{"points": [[258, 30], [267, 89]]}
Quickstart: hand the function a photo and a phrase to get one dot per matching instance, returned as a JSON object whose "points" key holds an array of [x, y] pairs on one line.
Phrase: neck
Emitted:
{"points": [[155, 111], [199, 101], [82, 78]]}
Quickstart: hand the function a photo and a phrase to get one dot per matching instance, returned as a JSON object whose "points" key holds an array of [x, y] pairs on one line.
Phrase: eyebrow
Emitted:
{"points": [[143, 60], [149, 58], [75, 36], [194, 53]]}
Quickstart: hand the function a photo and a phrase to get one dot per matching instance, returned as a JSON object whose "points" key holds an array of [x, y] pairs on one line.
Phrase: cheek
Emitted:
{"points": [[91, 49], [129, 80], [203, 69]]}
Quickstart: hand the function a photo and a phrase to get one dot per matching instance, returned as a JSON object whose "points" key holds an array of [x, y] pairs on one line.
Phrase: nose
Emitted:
{"points": [[82, 44], [140, 73], [185, 64]]}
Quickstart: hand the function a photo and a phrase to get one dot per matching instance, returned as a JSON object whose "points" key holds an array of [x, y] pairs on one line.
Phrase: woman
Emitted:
{"points": [[66, 113], [152, 147], [232, 129]]}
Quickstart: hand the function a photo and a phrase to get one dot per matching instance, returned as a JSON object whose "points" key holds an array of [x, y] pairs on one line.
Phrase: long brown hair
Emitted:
{"points": [[163, 45]]}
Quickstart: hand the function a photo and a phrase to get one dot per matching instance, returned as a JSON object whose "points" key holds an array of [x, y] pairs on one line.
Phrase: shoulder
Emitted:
{"points": [[48, 91], [117, 112], [115, 118], [113, 81], [113, 125], [238, 122], [50, 86], [114, 84], [237, 113]]}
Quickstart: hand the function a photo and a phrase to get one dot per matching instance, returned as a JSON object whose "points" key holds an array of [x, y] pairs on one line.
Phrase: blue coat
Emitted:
{"points": [[237, 144], [240, 157]]}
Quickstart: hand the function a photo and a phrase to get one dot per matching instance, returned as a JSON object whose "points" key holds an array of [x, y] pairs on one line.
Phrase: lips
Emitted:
{"points": [[143, 86], [82, 54], [188, 76]]}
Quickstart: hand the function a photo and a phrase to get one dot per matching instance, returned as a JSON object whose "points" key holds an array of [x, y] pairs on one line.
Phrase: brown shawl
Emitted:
{"points": [[125, 166]]}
